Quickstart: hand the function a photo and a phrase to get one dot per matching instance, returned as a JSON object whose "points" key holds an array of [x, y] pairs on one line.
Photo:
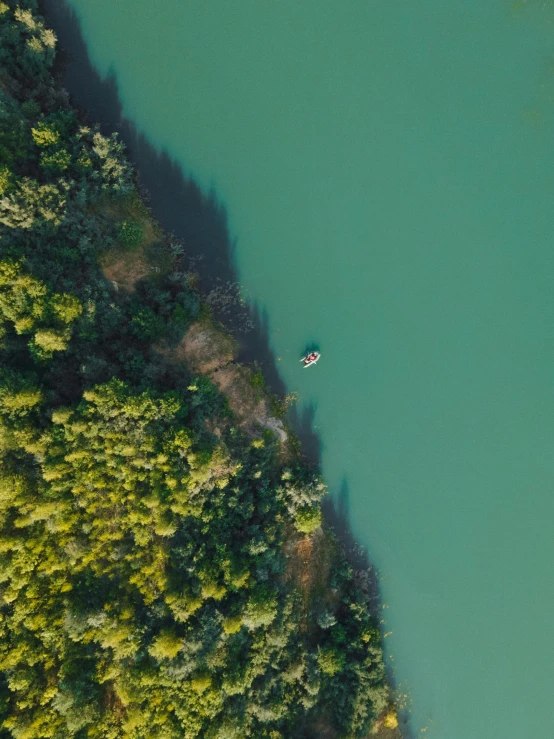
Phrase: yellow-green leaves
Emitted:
{"points": [[5, 178], [130, 234], [19, 399], [232, 624], [166, 645], [201, 682], [23, 299], [45, 134], [308, 519], [46, 341], [28, 306], [330, 660], [54, 157], [66, 307], [30, 204], [18, 402]]}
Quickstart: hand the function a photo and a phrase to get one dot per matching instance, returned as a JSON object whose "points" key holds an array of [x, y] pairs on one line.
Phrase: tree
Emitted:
{"points": [[166, 645], [330, 660], [45, 134], [308, 519], [147, 544], [31, 308], [261, 608]]}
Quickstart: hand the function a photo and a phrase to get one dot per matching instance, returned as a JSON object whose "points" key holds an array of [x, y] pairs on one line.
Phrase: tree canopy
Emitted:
{"points": [[144, 559]]}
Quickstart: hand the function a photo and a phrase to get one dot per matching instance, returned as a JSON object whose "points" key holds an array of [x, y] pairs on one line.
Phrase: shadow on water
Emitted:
{"points": [[302, 421], [199, 222]]}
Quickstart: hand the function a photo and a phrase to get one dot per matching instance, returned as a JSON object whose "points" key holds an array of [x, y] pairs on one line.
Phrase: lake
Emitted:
{"points": [[387, 170]]}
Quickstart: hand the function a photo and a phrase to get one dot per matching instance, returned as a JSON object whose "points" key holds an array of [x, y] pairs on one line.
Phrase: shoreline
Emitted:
{"points": [[163, 185]]}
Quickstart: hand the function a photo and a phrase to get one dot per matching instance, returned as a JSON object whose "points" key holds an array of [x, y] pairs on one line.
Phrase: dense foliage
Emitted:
{"points": [[143, 587]]}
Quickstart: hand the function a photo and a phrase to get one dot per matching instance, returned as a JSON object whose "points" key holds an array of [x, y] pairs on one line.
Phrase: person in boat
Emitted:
{"points": [[310, 357]]}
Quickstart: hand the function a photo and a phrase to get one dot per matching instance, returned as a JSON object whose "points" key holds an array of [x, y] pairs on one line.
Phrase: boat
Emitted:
{"points": [[310, 358]]}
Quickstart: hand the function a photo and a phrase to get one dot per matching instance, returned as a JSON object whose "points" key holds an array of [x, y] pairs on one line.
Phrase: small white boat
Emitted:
{"points": [[310, 358]]}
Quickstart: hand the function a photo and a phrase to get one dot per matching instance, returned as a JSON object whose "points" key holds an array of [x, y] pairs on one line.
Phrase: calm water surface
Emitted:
{"points": [[388, 171]]}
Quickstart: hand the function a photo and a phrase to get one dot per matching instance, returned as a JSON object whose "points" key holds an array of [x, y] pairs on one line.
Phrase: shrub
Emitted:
{"points": [[130, 234], [326, 620], [308, 519], [211, 589], [146, 325], [201, 682], [391, 720], [66, 307]]}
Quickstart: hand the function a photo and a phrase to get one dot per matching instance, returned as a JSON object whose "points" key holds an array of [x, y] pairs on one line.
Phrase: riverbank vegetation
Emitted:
{"points": [[163, 568]]}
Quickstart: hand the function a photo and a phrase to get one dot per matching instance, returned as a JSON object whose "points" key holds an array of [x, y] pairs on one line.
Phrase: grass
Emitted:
{"points": [[124, 265]]}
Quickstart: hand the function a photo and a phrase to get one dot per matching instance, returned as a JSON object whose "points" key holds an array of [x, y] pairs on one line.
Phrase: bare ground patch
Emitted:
{"points": [[380, 731], [205, 348], [125, 269], [310, 559], [249, 404], [208, 350]]}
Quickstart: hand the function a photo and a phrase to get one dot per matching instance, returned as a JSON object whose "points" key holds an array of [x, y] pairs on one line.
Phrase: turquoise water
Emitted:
{"points": [[388, 173]]}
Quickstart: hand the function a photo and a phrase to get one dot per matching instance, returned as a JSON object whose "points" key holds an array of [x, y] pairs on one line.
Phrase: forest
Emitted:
{"points": [[147, 542]]}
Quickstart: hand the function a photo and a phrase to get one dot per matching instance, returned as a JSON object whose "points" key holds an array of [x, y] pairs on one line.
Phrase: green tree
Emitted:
{"points": [[28, 305], [308, 519], [45, 134], [151, 553], [55, 162], [330, 660], [166, 645], [5, 178], [261, 608]]}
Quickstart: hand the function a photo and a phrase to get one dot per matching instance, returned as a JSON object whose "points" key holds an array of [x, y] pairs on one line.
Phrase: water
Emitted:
{"points": [[388, 172]]}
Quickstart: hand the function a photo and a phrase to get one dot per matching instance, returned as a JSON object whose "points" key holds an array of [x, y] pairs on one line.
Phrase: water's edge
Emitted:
{"points": [[199, 221]]}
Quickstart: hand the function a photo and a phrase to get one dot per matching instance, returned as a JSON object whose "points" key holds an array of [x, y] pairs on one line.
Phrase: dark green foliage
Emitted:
{"points": [[146, 325], [143, 576]]}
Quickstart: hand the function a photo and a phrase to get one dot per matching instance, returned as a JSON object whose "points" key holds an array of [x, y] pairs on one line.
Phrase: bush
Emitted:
{"points": [[201, 682], [130, 234], [391, 720], [146, 325], [47, 341], [308, 519]]}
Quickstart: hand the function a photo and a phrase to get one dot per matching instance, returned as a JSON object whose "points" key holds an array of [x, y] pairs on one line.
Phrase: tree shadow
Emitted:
{"points": [[302, 421], [337, 512], [198, 221]]}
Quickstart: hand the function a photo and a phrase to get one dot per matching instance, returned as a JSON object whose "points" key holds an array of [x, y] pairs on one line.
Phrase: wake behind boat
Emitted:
{"points": [[310, 358]]}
